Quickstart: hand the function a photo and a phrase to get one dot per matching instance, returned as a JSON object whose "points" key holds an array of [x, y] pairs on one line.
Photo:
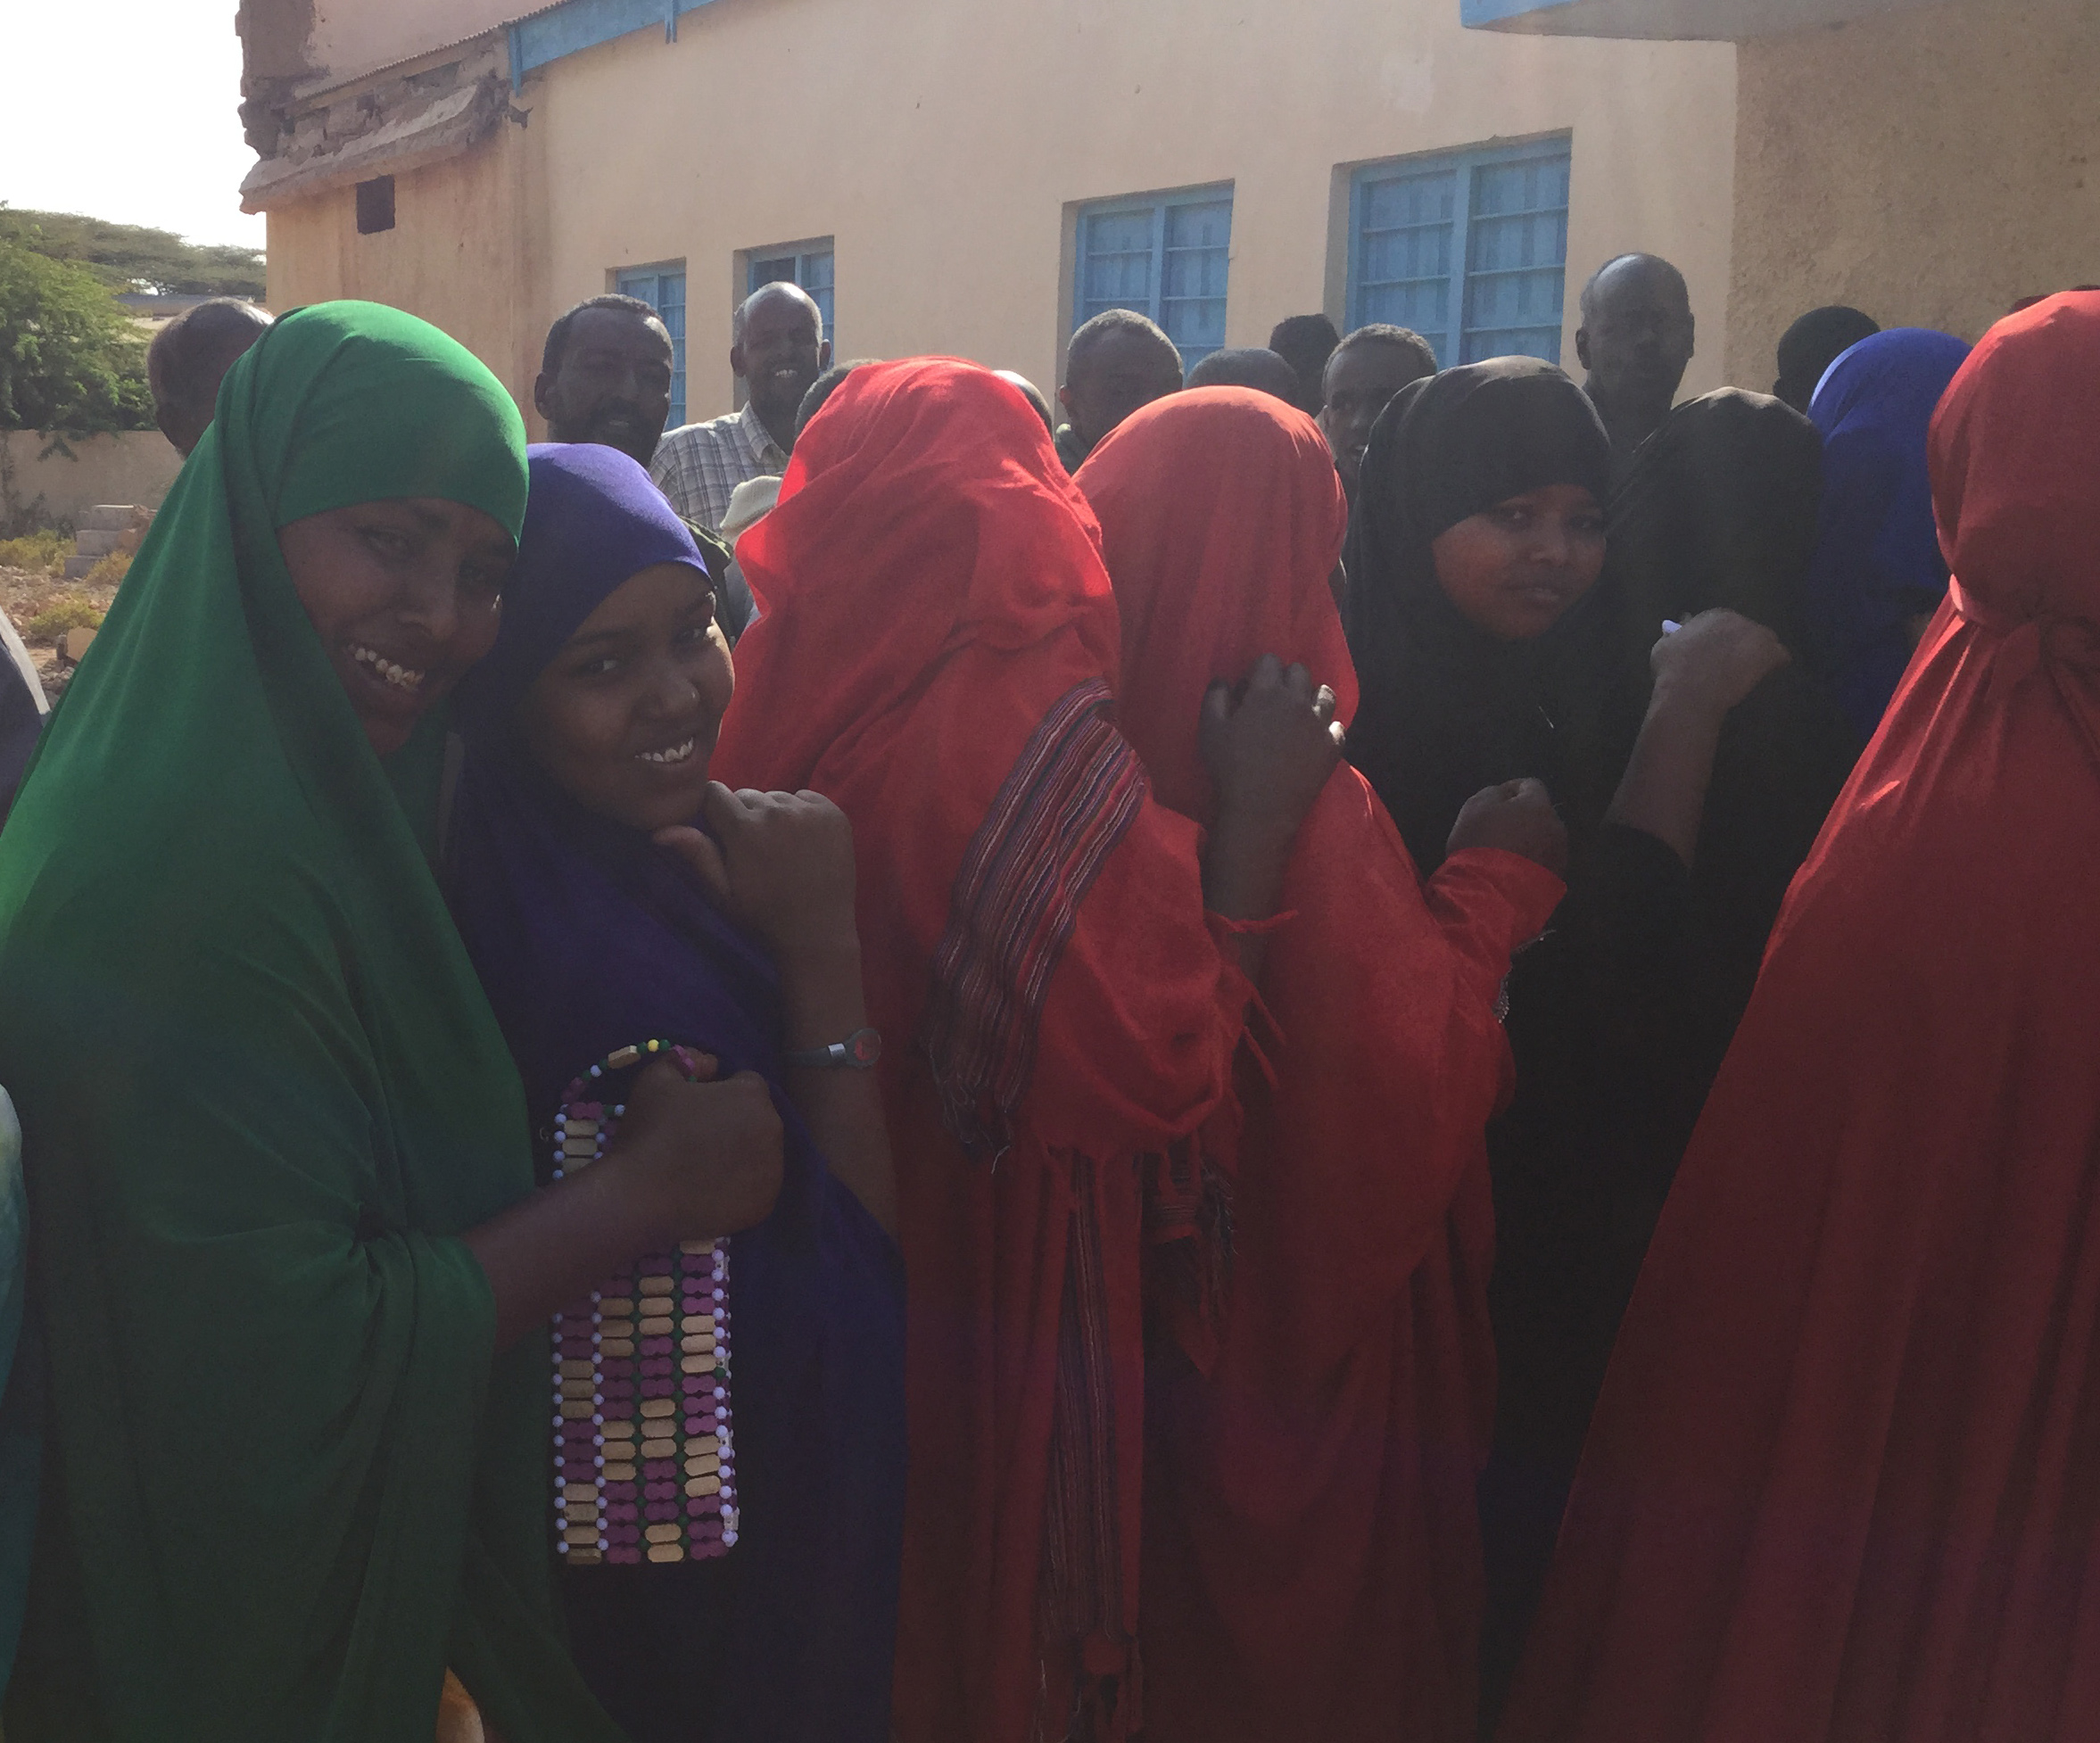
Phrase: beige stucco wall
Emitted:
{"points": [[1929, 167], [348, 37], [135, 466], [945, 145], [942, 144], [466, 252]]}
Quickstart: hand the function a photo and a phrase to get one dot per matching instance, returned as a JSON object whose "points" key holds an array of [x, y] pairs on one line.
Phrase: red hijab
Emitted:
{"points": [[1183, 542], [1311, 1560], [1842, 1481], [968, 534], [937, 657]]}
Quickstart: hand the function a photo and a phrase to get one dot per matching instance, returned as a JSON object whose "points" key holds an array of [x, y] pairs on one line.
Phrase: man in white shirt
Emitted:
{"points": [[778, 348]]}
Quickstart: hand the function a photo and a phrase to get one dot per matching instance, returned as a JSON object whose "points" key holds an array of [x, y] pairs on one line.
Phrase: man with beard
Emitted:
{"points": [[605, 377], [1635, 341], [778, 350]]}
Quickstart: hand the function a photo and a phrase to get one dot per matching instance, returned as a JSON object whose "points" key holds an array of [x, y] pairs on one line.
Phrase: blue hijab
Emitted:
{"points": [[588, 937], [1877, 561]]}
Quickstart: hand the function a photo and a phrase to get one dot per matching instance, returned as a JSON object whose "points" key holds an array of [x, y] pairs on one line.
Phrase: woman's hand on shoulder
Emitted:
{"points": [[1516, 817], [1271, 746], [704, 1158], [780, 864], [1716, 660]]}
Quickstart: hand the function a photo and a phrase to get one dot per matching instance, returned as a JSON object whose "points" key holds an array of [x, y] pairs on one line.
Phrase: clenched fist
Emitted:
{"points": [[1271, 749], [780, 864], [707, 1155], [1517, 817], [1719, 657]]}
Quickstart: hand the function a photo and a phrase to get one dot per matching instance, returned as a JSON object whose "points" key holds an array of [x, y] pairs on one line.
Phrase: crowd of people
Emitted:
{"points": [[1318, 1048]]}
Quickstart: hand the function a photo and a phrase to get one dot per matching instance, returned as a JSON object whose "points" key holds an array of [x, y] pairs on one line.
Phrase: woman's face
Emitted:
{"points": [[405, 594], [624, 718], [1515, 568]]}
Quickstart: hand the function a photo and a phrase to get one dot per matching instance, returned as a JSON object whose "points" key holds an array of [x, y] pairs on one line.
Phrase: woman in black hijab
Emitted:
{"points": [[1449, 704], [1494, 641], [1720, 511]]}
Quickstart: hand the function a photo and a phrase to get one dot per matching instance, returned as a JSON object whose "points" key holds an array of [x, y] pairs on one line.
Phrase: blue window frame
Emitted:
{"points": [[1470, 249], [663, 288], [808, 265], [1168, 257]]}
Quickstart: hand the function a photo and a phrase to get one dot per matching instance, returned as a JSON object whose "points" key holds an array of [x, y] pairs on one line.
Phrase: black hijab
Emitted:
{"points": [[1721, 511], [1446, 708]]}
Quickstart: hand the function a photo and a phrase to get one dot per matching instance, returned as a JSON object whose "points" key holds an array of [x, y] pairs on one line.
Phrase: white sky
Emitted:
{"points": [[132, 118]]}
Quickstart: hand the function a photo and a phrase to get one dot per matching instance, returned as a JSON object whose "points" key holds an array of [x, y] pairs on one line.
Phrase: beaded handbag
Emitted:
{"points": [[644, 1455]]}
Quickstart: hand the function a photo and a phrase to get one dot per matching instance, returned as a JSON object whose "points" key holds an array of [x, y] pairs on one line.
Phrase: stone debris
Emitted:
{"points": [[109, 529]]}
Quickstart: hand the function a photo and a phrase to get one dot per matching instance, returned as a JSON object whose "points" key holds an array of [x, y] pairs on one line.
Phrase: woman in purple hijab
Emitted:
{"points": [[1878, 574], [611, 894]]}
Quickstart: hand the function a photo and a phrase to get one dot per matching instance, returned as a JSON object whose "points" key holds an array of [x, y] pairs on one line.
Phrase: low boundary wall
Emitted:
{"points": [[135, 466]]}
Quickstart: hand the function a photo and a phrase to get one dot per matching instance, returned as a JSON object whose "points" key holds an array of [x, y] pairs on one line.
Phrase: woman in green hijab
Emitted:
{"points": [[286, 1243]]}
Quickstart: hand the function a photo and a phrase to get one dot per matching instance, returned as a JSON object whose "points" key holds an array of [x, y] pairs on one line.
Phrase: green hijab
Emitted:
{"points": [[287, 1480]]}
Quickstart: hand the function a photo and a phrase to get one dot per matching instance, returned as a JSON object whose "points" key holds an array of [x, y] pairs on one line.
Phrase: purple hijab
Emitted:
{"points": [[587, 938], [1877, 560]]}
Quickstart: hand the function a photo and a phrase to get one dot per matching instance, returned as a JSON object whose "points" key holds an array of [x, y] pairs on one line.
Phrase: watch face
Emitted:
{"points": [[865, 1047]]}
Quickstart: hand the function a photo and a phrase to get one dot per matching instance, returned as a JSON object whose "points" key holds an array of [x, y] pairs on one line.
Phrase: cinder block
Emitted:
{"points": [[98, 541], [107, 517]]}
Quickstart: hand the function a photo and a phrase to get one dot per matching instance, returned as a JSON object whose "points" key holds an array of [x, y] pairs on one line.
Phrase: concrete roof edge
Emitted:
{"points": [[448, 125], [332, 87]]}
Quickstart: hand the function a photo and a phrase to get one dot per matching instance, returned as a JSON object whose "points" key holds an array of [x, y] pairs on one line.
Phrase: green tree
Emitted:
{"points": [[71, 361], [130, 257]]}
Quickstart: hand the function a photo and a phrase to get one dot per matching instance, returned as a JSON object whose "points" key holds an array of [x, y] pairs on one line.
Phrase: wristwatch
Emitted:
{"points": [[858, 1052]]}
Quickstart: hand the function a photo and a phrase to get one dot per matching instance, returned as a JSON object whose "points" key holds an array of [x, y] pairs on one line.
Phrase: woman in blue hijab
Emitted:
{"points": [[1877, 574], [599, 919]]}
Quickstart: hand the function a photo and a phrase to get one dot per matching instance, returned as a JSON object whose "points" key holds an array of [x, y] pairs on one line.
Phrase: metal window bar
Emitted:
{"points": [[1516, 255], [664, 292], [814, 269], [1156, 257], [1418, 298], [1475, 307]]}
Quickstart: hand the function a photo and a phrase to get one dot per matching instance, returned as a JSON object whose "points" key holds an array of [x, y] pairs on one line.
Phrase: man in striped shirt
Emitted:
{"points": [[778, 348]]}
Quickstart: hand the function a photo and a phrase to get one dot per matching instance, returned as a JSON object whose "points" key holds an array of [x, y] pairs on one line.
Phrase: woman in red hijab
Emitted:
{"points": [[1844, 1482], [1312, 1556], [937, 657]]}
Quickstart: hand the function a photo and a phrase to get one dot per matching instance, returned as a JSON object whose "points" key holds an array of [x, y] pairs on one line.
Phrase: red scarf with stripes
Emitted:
{"points": [[937, 656]]}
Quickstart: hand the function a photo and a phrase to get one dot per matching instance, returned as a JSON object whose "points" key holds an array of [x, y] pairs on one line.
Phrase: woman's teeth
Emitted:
{"points": [[401, 677], [670, 754]]}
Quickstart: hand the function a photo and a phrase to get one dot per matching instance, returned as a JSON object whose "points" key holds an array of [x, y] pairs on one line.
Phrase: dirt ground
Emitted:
{"points": [[25, 592]]}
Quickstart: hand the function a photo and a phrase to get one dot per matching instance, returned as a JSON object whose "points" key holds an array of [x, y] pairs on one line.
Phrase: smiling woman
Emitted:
{"points": [[624, 716], [404, 594], [590, 729], [280, 1178], [1495, 642]]}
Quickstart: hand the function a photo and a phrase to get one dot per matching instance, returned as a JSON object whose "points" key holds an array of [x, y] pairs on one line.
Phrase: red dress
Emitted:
{"points": [[937, 656], [1843, 1484], [1312, 1564]]}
